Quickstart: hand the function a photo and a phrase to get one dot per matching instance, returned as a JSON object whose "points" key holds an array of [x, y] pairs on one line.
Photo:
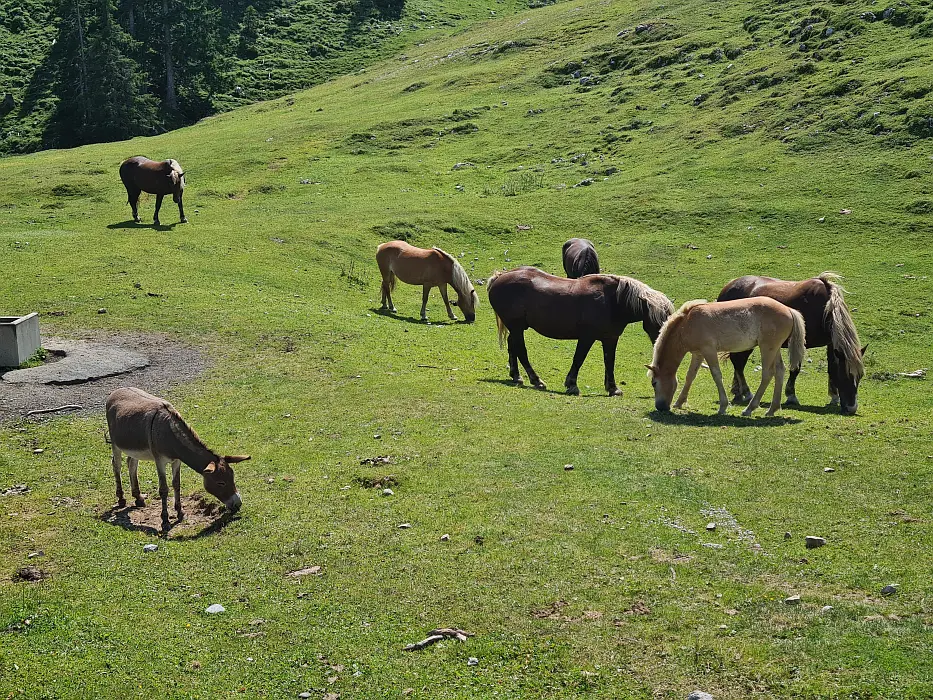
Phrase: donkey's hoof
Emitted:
{"points": [[140, 503], [180, 516], [571, 390], [121, 503]]}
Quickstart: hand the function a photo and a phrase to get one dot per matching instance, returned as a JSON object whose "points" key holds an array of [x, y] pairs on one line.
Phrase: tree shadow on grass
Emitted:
{"points": [[123, 517], [714, 419], [132, 224]]}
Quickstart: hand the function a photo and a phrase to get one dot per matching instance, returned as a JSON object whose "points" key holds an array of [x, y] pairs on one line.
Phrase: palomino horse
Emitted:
{"points": [[828, 322], [580, 258], [705, 330], [160, 178], [595, 307], [430, 268], [146, 427]]}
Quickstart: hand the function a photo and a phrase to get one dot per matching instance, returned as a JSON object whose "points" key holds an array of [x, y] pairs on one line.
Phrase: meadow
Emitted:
{"points": [[710, 153]]}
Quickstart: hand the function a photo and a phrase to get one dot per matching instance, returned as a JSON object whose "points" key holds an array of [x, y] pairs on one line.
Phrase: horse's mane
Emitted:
{"points": [[459, 280], [672, 321], [177, 172], [843, 335], [631, 291]]}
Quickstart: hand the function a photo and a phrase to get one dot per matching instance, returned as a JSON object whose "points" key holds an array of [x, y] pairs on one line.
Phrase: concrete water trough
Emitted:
{"points": [[19, 339]]}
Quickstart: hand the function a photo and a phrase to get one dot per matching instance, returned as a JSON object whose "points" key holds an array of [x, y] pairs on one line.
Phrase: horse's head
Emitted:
{"points": [[218, 481], [845, 379], [468, 304], [664, 387], [177, 176]]}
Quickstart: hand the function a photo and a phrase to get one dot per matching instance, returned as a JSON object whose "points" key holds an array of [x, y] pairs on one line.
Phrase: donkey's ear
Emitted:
{"points": [[210, 468], [863, 350], [236, 458]]}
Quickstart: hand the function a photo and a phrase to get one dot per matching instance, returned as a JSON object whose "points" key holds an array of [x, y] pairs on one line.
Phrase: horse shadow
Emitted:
{"points": [[132, 224], [121, 517], [825, 410], [716, 420], [416, 320], [557, 392]]}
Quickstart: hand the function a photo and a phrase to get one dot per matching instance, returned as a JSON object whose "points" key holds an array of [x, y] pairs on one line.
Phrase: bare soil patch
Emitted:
{"points": [[203, 515], [171, 364]]}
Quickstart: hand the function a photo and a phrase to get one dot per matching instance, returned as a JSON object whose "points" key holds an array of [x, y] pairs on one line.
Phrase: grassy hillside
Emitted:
{"points": [[714, 145]]}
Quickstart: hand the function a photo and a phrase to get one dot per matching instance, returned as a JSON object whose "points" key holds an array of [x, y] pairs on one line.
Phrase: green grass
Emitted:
{"points": [[305, 374]]}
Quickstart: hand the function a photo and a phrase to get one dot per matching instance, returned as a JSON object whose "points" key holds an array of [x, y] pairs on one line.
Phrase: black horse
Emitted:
{"points": [[595, 307], [580, 258]]}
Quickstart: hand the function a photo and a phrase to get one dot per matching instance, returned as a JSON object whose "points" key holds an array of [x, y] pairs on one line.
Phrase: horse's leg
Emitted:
{"points": [[117, 459], [778, 381], [450, 313], [696, 361], [133, 465], [522, 353], [830, 373], [181, 210], [424, 302], [161, 464], [583, 348], [155, 218], [513, 360], [176, 486], [133, 197], [791, 391], [767, 371], [740, 391], [609, 359], [712, 359]]}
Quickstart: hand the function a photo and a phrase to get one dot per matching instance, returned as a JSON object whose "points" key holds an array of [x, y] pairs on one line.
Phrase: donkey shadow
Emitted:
{"points": [[132, 224], [122, 516]]}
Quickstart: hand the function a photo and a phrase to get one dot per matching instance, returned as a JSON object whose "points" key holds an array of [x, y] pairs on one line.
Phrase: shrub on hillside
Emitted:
{"points": [[920, 119]]}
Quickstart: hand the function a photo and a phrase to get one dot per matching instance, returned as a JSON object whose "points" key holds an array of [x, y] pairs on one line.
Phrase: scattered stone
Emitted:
{"points": [[828, 470], [445, 538], [711, 526], [38, 451], [821, 219], [792, 600], [33, 555], [304, 182], [815, 542], [826, 608], [307, 571], [643, 28], [459, 188], [304, 695], [388, 492], [215, 608], [586, 182], [699, 695], [465, 164], [712, 545], [890, 589], [568, 467], [709, 257], [845, 211], [787, 535], [102, 311], [150, 548], [472, 661], [404, 526]]}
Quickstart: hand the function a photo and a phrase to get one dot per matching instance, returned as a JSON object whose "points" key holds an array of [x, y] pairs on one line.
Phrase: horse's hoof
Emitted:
{"points": [[573, 390], [770, 414], [747, 412], [792, 400], [680, 404], [140, 503], [181, 516], [137, 220], [121, 503], [834, 401], [517, 381], [615, 392], [393, 310], [540, 386], [184, 220]]}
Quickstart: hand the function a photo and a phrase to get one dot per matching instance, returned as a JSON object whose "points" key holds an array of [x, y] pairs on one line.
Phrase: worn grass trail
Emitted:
{"points": [[599, 581]]}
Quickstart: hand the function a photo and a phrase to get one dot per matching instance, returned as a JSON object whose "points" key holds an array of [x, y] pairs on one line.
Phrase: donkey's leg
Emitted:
{"points": [[450, 313], [740, 391], [176, 486], [791, 391], [609, 359], [117, 459], [424, 302], [155, 218], [133, 465], [161, 464], [696, 361], [778, 381], [583, 348], [712, 359], [522, 353], [181, 210], [513, 360], [767, 371]]}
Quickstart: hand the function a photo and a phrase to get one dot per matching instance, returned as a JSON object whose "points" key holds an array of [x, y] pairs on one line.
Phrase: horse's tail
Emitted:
{"points": [[503, 330], [797, 343]]}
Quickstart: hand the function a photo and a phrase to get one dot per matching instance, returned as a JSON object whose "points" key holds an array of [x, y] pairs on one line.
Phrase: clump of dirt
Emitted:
{"points": [[386, 481], [201, 513], [30, 573]]}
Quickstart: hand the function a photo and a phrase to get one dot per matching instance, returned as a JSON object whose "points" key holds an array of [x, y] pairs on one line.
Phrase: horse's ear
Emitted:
{"points": [[864, 348], [651, 368]]}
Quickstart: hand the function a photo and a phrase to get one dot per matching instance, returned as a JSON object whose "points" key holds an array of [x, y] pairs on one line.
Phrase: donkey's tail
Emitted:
{"points": [[503, 330], [796, 344]]}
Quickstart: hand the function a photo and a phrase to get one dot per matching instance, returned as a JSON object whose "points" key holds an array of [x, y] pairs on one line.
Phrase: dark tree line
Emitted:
{"points": [[132, 67]]}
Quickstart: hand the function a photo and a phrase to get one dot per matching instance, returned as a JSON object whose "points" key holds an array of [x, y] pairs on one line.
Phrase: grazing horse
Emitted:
{"points": [[160, 178], [829, 324], [430, 268], [705, 330], [595, 307], [147, 427], [580, 258]]}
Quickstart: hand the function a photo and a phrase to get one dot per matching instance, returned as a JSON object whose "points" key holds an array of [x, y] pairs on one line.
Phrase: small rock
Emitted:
{"points": [[828, 470], [377, 436], [445, 538], [709, 257], [215, 608], [102, 311], [711, 526], [388, 492], [304, 695], [814, 542], [890, 589], [699, 695], [585, 182], [472, 661], [38, 451], [787, 535], [404, 526], [792, 600], [568, 467], [821, 219], [150, 548], [826, 608], [33, 555]]}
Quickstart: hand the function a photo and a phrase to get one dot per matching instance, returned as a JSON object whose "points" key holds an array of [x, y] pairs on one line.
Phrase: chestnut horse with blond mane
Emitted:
{"points": [[160, 178], [429, 268], [705, 330]]}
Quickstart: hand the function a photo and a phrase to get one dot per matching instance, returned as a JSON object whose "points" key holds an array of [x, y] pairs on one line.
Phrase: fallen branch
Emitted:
{"points": [[437, 635], [66, 407]]}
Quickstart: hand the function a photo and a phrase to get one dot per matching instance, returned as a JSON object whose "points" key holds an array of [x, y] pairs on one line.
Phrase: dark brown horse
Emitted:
{"points": [[595, 307], [829, 324], [160, 178], [580, 258]]}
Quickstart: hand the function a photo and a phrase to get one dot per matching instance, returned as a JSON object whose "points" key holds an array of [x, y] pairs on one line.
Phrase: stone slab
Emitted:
{"points": [[19, 339], [84, 361]]}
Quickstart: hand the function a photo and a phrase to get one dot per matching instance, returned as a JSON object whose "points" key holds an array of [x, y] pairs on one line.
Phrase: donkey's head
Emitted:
{"points": [[218, 481]]}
